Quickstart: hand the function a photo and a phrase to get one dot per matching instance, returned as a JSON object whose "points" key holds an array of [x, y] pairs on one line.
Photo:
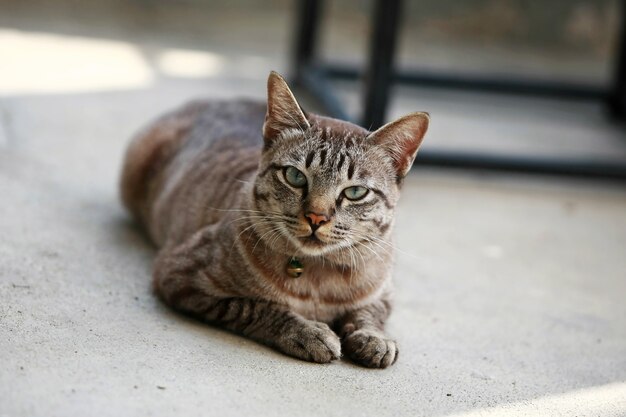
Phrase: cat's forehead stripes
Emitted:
{"points": [[336, 158], [323, 157], [309, 158], [342, 158], [351, 169], [330, 157]]}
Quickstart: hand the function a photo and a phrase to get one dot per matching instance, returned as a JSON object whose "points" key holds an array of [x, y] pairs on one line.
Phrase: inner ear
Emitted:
{"points": [[283, 110], [401, 139]]}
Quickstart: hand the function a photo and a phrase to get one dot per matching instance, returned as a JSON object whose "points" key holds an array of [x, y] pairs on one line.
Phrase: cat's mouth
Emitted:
{"points": [[313, 244], [312, 240]]}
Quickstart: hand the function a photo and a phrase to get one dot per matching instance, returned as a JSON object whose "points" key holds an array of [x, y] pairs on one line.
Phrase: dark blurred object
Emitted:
{"points": [[380, 74], [617, 97]]}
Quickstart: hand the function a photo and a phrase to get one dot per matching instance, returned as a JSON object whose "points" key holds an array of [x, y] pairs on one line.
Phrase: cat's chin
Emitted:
{"points": [[313, 242], [316, 247], [312, 245]]}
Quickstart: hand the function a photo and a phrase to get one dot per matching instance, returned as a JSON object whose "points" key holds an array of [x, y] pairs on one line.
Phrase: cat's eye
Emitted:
{"points": [[295, 177], [355, 193]]}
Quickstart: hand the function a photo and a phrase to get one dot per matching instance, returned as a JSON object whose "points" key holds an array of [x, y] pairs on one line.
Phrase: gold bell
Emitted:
{"points": [[294, 268]]}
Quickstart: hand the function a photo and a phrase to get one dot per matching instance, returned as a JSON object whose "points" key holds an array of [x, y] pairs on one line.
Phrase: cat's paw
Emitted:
{"points": [[370, 348], [312, 341]]}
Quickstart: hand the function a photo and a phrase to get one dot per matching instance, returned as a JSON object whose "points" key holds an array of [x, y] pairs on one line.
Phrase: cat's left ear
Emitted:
{"points": [[283, 111], [401, 139]]}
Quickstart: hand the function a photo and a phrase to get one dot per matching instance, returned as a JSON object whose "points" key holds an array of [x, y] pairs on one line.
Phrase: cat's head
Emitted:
{"points": [[326, 184]]}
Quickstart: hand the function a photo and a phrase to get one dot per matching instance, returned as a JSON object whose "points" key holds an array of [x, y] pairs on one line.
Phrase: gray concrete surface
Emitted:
{"points": [[510, 289]]}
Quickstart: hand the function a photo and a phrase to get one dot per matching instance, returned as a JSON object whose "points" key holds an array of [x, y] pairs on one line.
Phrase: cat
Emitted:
{"points": [[273, 222]]}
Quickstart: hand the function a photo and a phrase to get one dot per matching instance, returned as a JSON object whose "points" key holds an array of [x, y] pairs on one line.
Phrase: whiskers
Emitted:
{"points": [[358, 248], [382, 244], [346, 249], [267, 225]]}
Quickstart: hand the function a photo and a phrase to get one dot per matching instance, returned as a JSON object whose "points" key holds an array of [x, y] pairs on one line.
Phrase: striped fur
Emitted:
{"points": [[207, 182]]}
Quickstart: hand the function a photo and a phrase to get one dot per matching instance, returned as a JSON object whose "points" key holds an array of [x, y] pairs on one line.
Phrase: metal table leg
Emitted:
{"points": [[617, 100], [314, 78], [307, 25], [379, 74]]}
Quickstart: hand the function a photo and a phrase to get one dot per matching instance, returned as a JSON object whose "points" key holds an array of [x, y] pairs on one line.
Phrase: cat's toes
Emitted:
{"points": [[370, 348], [313, 341]]}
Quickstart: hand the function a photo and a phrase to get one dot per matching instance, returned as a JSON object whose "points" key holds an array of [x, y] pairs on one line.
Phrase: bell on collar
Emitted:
{"points": [[294, 268]]}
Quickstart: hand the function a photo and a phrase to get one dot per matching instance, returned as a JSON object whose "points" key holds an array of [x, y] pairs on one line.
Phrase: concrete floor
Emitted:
{"points": [[510, 293]]}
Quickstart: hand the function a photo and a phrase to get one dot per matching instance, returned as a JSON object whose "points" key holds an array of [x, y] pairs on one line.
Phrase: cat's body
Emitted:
{"points": [[220, 192]]}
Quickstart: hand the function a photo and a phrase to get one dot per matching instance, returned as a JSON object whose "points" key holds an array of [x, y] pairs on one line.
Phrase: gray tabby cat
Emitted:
{"points": [[275, 223]]}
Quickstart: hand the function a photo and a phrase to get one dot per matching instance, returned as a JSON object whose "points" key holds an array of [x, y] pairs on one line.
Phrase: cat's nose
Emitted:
{"points": [[316, 219]]}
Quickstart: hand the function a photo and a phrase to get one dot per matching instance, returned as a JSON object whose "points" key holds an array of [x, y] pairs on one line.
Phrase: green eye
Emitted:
{"points": [[295, 177], [355, 193]]}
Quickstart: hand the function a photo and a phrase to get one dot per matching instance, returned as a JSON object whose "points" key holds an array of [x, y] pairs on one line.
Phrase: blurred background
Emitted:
{"points": [[192, 48], [510, 286]]}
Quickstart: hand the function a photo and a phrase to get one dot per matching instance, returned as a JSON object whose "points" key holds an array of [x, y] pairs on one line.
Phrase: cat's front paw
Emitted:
{"points": [[312, 341], [370, 348]]}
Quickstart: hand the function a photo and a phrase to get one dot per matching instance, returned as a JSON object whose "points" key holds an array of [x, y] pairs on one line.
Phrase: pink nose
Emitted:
{"points": [[316, 219]]}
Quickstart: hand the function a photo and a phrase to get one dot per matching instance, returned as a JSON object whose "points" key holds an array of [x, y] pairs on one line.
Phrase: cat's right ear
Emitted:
{"points": [[401, 139], [283, 111]]}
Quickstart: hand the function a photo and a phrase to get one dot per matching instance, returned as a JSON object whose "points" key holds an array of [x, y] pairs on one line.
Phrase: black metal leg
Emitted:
{"points": [[477, 82], [313, 78], [618, 94], [380, 67], [305, 73], [307, 24]]}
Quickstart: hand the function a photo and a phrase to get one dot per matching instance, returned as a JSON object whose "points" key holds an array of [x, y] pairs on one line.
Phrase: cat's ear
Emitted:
{"points": [[283, 111], [401, 139]]}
